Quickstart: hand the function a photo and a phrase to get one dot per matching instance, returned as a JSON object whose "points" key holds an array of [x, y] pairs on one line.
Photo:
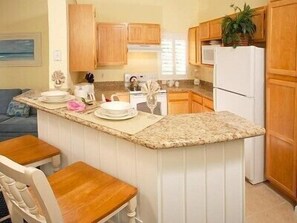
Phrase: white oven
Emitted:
{"points": [[138, 101]]}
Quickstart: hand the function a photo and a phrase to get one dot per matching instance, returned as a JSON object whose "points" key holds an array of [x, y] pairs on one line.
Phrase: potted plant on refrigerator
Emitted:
{"points": [[238, 29]]}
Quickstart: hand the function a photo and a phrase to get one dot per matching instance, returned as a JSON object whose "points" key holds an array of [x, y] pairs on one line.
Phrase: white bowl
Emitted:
{"points": [[116, 107], [54, 95]]}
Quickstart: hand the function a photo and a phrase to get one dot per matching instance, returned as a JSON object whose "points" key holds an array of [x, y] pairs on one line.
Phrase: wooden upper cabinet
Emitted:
{"points": [[281, 39], [194, 46], [211, 30], [259, 19], [82, 37], [140, 33], [204, 30], [215, 29], [112, 44]]}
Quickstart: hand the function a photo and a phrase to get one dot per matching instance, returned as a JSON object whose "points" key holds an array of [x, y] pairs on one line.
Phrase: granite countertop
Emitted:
{"points": [[173, 130], [112, 87], [204, 89]]}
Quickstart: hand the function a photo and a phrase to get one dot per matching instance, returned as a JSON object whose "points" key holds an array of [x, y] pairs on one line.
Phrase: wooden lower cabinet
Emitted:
{"points": [[281, 136], [188, 102], [197, 103], [178, 103]]}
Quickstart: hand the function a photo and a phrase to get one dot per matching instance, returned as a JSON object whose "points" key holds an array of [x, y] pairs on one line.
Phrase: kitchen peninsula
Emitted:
{"points": [[187, 168]]}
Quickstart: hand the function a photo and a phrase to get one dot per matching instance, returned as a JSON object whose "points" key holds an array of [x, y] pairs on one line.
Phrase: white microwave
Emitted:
{"points": [[208, 53]]}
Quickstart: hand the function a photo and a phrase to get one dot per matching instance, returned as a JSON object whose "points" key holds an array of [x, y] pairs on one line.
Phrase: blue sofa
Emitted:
{"points": [[15, 125]]}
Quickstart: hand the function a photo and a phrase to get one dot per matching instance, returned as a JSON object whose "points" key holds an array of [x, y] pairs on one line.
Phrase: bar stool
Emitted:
{"points": [[30, 151]]}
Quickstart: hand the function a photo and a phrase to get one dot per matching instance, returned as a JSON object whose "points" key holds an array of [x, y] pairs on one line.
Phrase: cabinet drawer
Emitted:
{"points": [[197, 98], [208, 103], [178, 96]]}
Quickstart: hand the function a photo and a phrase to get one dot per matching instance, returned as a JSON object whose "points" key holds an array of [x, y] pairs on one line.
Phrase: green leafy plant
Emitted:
{"points": [[236, 26]]}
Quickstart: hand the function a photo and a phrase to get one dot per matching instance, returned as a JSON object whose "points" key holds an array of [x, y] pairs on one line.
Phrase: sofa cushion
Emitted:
{"points": [[19, 124], [33, 111], [3, 117], [6, 96], [18, 109]]}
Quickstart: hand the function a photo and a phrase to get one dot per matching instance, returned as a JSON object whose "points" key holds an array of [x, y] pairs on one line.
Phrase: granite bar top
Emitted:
{"points": [[173, 130]]}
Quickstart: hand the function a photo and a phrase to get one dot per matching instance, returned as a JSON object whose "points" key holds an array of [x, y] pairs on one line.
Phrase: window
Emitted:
{"points": [[173, 56]]}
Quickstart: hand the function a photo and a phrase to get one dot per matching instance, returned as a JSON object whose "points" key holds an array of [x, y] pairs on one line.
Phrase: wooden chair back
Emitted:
{"points": [[28, 193]]}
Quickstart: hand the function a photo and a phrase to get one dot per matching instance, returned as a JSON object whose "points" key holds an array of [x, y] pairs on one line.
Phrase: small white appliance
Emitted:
{"points": [[138, 99], [84, 90], [208, 53], [239, 88]]}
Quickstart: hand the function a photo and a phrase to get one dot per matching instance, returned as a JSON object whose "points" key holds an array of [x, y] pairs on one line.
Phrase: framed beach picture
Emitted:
{"points": [[20, 49]]}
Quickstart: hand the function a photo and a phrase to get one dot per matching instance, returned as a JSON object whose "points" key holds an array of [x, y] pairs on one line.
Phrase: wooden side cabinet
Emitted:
{"points": [[82, 37], [281, 96], [140, 33], [282, 41], [194, 51], [281, 136], [112, 44], [178, 103]]}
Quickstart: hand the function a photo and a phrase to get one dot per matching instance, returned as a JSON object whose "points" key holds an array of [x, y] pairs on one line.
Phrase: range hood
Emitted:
{"points": [[143, 48]]}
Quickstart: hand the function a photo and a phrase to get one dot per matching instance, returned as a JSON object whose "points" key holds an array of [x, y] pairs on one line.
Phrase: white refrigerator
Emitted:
{"points": [[239, 88]]}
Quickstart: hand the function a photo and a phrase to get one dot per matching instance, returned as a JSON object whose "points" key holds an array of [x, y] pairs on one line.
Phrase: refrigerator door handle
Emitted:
{"points": [[214, 75]]}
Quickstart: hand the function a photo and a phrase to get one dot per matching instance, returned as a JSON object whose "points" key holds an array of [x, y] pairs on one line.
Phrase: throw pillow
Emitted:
{"points": [[18, 109]]}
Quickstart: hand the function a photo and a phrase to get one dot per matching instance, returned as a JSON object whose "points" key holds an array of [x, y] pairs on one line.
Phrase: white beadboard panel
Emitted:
{"points": [[108, 156], [92, 147], [173, 185], [195, 184], [65, 140], [42, 124], [53, 130], [146, 182], [234, 189], [126, 160], [202, 184], [77, 143], [215, 188]]}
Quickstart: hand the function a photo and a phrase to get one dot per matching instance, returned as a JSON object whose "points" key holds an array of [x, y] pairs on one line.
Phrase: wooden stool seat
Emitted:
{"points": [[31, 151], [86, 194]]}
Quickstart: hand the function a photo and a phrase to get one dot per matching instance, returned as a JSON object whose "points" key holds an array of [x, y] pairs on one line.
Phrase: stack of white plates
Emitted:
{"points": [[115, 110], [55, 96]]}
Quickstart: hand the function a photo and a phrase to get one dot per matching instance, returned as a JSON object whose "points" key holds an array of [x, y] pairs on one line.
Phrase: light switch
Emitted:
{"points": [[57, 55]]}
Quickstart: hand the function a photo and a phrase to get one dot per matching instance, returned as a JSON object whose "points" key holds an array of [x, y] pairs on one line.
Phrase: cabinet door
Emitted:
{"points": [[139, 33], [207, 105], [82, 37], [260, 22], [135, 33], [112, 44], [178, 103], [215, 29], [197, 103], [282, 41], [281, 108], [192, 46], [152, 34], [204, 30]]}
